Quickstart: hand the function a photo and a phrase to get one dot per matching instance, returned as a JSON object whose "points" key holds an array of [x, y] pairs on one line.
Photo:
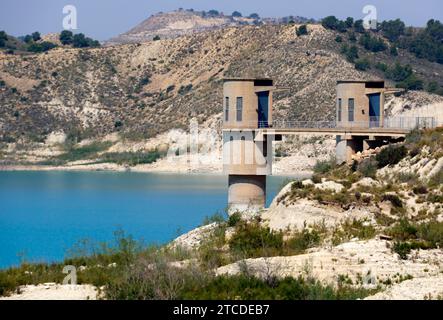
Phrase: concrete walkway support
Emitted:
{"points": [[346, 147]]}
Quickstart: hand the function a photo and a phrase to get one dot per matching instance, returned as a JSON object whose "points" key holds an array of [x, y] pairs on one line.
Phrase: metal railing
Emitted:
{"points": [[405, 123]]}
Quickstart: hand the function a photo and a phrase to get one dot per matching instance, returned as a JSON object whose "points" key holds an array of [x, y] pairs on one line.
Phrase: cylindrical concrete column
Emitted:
{"points": [[246, 192]]}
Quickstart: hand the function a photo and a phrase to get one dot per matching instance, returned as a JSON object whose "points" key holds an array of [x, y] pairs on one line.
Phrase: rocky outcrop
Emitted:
{"points": [[415, 289], [194, 238], [53, 291], [365, 182], [368, 262], [329, 185], [424, 165], [282, 215], [308, 212]]}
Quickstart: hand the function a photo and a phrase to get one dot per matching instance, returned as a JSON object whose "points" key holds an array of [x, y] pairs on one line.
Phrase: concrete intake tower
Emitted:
{"points": [[247, 155]]}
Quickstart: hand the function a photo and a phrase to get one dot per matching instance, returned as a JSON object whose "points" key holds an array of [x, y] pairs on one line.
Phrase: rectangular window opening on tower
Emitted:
{"points": [[339, 111], [351, 110], [227, 109], [239, 108]]}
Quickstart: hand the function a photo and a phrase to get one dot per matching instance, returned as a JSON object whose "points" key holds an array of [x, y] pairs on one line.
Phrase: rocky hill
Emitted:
{"points": [[179, 23], [141, 90]]}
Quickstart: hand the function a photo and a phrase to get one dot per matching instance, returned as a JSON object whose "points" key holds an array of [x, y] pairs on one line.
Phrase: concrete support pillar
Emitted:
{"points": [[340, 149], [246, 192], [346, 147], [352, 147]]}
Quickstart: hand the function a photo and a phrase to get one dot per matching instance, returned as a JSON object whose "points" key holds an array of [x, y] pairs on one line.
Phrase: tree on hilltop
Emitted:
{"points": [[66, 37], [36, 36]]}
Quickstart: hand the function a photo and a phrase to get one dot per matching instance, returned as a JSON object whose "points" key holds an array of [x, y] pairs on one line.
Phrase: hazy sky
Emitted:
{"points": [[103, 19]]}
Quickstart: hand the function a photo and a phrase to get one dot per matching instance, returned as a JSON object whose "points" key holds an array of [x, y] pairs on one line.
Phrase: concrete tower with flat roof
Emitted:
{"points": [[247, 108]]}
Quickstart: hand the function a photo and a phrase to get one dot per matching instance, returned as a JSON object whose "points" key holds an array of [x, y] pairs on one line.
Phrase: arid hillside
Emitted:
{"points": [[178, 23], [141, 90]]}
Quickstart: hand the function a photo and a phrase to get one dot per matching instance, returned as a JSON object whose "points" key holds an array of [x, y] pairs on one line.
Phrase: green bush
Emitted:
{"points": [[420, 189], [410, 236], [435, 198], [404, 230], [253, 240], [210, 252], [368, 168], [392, 29], [36, 36], [242, 287], [185, 89], [426, 43], [41, 47], [437, 179], [302, 240], [66, 37], [352, 37], [302, 30], [407, 177], [216, 217], [411, 83], [324, 166], [331, 22], [131, 158], [352, 229], [358, 26], [362, 64], [351, 52], [398, 72], [234, 219], [89, 151], [402, 249], [373, 44], [434, 87], [394, 199], [414, 136], [393, 51], [381, 66], [81, 41], [7, 284], [152, 277], [391, 155], [3, 39], [432, 232]]}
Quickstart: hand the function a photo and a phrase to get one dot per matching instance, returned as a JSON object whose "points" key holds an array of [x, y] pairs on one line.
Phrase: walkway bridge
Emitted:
{"points": [[392, 127], [351, 137], [249, 129]]}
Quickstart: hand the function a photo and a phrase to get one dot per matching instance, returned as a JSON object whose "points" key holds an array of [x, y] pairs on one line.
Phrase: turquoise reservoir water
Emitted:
{"points": [[42, 214]]}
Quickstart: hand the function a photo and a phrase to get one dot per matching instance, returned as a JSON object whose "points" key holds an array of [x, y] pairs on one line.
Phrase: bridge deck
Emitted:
{"points": [[374, 132], [394, 127]]}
